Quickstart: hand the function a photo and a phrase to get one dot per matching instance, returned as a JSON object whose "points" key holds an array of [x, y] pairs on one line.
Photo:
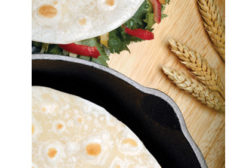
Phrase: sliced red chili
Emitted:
{"points": [[157, 10], [83, 50], [140, 33]]}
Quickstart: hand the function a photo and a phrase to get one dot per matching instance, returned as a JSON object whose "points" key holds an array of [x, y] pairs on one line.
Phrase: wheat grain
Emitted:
{"points": [[198, 90], [213, 24], [198, 66]]}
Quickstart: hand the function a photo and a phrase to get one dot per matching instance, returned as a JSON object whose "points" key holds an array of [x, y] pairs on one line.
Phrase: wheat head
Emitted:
{"points": [[198, 66], [213, 24], [198, 90]]}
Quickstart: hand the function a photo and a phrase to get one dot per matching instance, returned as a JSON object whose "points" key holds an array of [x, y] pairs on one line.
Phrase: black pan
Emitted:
{"points": [[152, 115]]}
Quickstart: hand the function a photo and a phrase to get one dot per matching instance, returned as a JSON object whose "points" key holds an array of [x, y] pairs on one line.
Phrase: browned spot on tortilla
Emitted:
{"points": [[130, 141], [117, 166], [47, 96], [47, 11], [79, 119], [93, 149], [33, 129], [82, 21], [110, 2], [59, 126], [52, 152], [43, 109]]}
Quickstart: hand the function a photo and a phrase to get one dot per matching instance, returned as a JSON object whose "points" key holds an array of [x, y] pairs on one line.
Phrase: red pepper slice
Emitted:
{"points": [[81, 49], [157, 10], [140, 33]]}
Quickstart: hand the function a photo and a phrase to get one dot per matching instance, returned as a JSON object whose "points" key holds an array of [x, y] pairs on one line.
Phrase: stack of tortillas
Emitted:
{"points": [[70, 132]]}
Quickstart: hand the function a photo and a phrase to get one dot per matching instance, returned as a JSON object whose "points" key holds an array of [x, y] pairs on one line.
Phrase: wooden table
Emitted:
{"points": [[184, 24]]}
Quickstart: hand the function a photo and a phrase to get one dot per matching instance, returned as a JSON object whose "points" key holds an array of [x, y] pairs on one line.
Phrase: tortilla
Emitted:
{"points": [[67, 21], [70, 132]]}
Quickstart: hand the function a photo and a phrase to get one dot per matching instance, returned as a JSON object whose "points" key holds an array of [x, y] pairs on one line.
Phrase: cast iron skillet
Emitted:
{"points": [[152, 115]]}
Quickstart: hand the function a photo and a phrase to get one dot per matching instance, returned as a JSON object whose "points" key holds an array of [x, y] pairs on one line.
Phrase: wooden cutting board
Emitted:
{"points": [[143, 65]]}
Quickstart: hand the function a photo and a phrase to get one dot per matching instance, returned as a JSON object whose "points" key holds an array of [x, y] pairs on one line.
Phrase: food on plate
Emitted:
{"points": [[68, 131], [92, 29]]}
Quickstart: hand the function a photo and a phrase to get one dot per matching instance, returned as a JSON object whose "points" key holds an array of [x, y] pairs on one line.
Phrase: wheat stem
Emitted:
{"points": [[198, 66], [198, 90], [213, 24]]}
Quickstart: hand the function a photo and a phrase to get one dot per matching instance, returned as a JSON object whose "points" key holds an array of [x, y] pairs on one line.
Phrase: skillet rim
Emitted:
{"points": [[137, 86]]}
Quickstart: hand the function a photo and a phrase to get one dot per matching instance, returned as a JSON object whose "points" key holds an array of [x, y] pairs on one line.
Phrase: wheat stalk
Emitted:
{"points": [[198, 90], [198, 66], [213, 24]]}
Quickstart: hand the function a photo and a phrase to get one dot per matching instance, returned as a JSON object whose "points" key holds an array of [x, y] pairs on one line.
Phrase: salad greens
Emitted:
{"points": [[118, 39]]}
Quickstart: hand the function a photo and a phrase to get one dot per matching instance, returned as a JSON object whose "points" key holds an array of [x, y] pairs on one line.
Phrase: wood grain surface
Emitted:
{"points": [[143, 65]]}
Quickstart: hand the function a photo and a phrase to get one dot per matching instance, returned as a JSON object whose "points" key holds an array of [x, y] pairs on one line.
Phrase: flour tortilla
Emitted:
{"points": [[66, 21], [70, 132]]}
